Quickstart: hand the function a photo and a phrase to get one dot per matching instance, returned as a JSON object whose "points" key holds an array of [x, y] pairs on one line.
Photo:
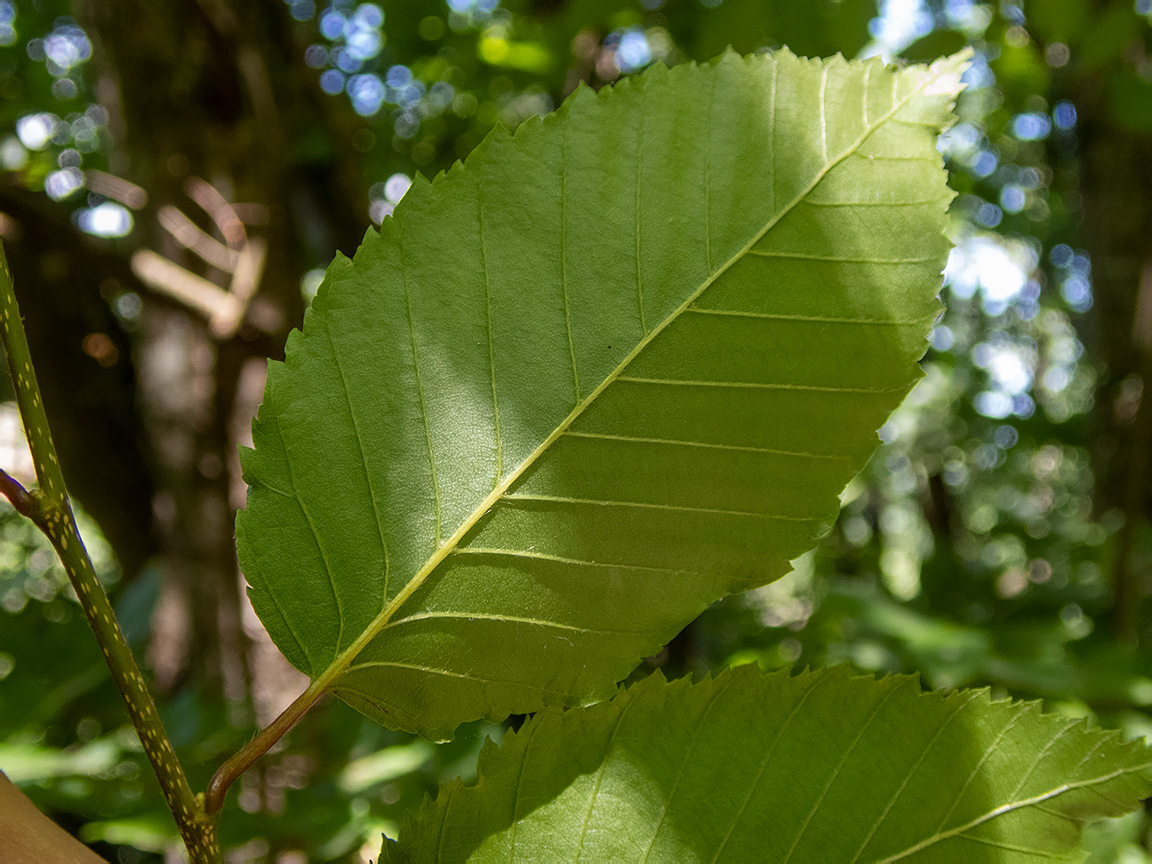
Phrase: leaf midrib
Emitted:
{"points": [[337, 667]]}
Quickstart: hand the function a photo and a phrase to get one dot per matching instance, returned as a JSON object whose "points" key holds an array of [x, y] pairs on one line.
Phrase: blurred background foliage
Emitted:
{"points": [[172, 181]]}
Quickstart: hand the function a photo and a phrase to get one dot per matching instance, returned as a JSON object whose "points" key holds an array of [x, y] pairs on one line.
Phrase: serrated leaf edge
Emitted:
{"points": [[937, 72], [677, 689]]}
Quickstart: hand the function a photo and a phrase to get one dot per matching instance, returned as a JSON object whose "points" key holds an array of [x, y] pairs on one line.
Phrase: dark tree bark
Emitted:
{"points": [[62, 279], [196, 91], [1116, 186]]}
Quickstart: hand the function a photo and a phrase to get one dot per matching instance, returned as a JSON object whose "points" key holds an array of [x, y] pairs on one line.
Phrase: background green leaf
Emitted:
{"points": [[617, 365], [818, 767]]}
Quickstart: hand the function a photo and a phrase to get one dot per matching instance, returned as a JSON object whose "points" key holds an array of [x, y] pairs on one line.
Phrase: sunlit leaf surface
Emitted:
{"points": [[810, 769], [616, 366]]}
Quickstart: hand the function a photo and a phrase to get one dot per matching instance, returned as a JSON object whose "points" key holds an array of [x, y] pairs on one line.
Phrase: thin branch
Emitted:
{"points": [[219, 306], [116, 188], [218, 208], [51, 511], [189, 235], [23, 502], [249, 270]]}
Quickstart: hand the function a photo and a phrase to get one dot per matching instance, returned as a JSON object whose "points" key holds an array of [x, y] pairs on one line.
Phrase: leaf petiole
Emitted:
{"points": [[247, 755]]}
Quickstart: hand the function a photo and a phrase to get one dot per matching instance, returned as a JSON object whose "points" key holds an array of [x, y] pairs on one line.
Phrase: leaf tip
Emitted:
{"points": [[947, 73]]}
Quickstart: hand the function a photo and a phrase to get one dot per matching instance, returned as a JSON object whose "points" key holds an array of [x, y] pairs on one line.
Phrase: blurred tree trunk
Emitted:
{"points": [[62, 278], [215, 91], [1116, 186]]}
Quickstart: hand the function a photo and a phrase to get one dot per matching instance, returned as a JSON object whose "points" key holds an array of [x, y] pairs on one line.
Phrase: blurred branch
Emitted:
{"points": [[188, 234], [195, 292], [218, 208], [243, 257], [116, 188], [52, 512]]}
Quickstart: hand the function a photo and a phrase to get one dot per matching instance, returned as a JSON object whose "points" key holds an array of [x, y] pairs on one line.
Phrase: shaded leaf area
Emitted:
{"points": [[615, 366], [818, 767]]}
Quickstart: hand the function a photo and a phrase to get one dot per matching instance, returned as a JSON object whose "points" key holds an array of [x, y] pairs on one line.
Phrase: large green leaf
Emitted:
{"points": [[821, 767], [615, 366]]}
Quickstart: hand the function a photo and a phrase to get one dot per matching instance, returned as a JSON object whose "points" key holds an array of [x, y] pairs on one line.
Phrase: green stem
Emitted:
{"points": [[51, 511]]}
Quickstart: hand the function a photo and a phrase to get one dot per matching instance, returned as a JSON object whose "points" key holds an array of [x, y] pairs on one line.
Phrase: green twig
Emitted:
{"points": [[50, 509]]}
